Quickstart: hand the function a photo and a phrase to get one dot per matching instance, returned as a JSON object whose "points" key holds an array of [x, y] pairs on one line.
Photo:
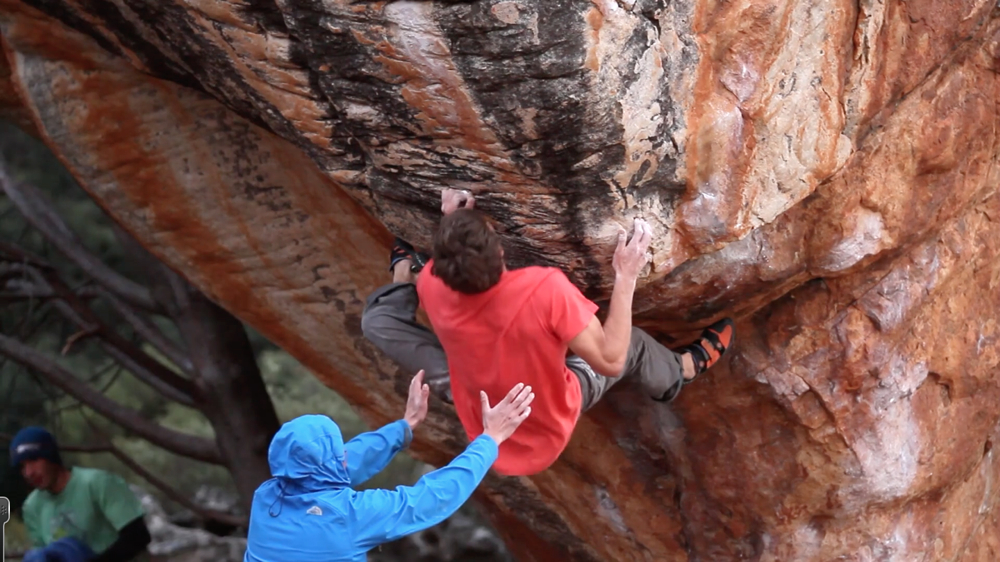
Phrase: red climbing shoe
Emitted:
{"points": [[710, 347]]}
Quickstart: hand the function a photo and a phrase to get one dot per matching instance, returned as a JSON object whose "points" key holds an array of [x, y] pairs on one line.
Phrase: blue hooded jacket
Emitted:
{"points": [[308, 510]]}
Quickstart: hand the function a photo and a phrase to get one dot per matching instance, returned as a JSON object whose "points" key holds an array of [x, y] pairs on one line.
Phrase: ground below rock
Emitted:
{"points": [[459, 538]]}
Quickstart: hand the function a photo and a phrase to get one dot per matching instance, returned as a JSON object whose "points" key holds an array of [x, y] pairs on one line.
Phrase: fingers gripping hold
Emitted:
{"points": [[630, 258]]}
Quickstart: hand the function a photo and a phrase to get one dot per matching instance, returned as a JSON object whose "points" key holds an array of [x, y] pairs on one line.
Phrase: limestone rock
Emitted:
{"points": [[826, 172]]}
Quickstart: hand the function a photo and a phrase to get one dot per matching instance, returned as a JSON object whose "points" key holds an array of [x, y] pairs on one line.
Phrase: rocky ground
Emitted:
{"points": [[458, 539]]}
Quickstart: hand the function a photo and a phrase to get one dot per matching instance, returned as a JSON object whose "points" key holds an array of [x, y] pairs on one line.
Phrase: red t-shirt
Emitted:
{"points": [[518, 331]]}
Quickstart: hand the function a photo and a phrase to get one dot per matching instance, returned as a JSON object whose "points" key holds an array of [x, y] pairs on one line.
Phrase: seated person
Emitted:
{"points": [[493, 326], [94, 506], [308, 510]]}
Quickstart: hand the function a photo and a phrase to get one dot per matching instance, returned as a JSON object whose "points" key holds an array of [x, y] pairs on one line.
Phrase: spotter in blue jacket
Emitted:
{"points": [[309, 511]]}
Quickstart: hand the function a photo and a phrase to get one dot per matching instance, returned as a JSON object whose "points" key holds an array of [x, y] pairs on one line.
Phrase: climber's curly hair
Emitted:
{"points": [[467, 252]]}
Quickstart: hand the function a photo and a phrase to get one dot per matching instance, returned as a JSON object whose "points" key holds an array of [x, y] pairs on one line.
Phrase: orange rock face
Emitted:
{"points": [[825, 172]]}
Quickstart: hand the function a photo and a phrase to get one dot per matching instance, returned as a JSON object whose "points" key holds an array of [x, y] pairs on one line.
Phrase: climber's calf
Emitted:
{"points": [[390, 322]]}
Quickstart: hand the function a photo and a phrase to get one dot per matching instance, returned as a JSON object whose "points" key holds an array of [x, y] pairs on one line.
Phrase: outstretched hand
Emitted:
{"points": [[500, 421], [454, 199], [632, 257], [416, 402]]}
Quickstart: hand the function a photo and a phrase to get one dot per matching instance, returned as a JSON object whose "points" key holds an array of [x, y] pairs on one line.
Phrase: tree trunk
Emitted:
{"points": [[826, 172], [231, 391], [235, 398]]}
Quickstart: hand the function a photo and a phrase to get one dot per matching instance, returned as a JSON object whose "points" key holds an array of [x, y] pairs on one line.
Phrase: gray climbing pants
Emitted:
{"points": [[389, 321]]}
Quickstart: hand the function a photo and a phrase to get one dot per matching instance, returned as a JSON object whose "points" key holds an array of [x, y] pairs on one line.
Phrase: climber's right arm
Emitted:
{"points": [[605, 348]]}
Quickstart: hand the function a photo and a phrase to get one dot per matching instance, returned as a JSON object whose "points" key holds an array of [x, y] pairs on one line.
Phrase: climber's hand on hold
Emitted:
{"points": [[630, 258], [454, 199]]}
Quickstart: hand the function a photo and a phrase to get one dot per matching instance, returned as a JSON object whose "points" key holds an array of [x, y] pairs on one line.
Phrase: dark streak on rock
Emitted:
{"points": [[315, 271], [662, 182], [210, 64], [245, 165], [269, 17], [514, 78], [343, 69], [209, 67], [265, 13], [329, 295], [129, 36], [58, 10]]}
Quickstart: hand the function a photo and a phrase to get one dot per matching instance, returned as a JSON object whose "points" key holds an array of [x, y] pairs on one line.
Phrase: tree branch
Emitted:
{"points": [[31, 202], [167, 489], [150, 333], [82, 334], [20, 290], [198, 448], [144, 367], [174, 494], [111, 380], [20, 296], [21, 255]]}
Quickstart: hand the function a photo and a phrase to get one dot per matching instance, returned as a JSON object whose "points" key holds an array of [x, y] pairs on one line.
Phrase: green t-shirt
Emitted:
{"points": [[93, 507]]}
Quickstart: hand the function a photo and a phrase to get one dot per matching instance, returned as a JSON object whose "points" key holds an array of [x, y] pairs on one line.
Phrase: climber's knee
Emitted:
{"points": [[387, 308], [377, 324], [369, 320]]}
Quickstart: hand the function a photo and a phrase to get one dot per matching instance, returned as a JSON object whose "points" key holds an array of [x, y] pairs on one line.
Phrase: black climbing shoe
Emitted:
{"points": [[402, 250]]}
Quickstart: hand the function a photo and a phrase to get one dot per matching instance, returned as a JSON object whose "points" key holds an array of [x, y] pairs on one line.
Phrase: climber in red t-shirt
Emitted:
{"points": [[495, 327]]}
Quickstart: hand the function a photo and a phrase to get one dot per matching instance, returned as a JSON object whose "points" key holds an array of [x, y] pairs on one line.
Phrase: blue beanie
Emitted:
{"points": [[33, 443]]}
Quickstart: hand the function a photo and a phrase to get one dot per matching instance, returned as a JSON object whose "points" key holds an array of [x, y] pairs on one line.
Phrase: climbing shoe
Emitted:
{"points": [[710, 347], [402, 250]]}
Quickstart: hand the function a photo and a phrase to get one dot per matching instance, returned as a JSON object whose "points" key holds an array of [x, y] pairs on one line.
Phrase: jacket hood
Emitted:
{"points": [[308, 453]]}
